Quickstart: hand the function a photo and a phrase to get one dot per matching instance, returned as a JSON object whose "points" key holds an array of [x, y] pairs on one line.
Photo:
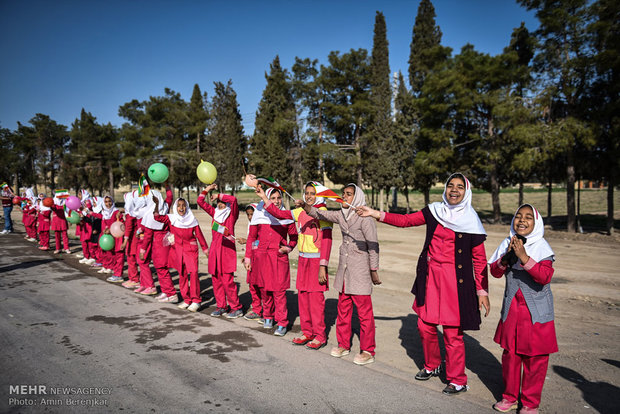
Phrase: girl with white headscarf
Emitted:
{"points": [[43, 223], [315, 244], [29, 216], [273, 240], [60, 226], [223, 252], [130, 241], [187, 234], [527, 311], [358, 264], [451, 285]]}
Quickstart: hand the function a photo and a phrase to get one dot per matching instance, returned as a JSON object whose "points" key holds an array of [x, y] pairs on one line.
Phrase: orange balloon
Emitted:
{"points": [[48, 201]]}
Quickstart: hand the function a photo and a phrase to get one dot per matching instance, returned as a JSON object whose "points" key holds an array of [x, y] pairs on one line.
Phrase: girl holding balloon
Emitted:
{"points": [[43, 221], [130, 239], [223, 253], [60, 226]]}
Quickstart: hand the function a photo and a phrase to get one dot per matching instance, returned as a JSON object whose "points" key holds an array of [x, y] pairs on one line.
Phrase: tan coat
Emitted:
{"points": [[359, 251]]}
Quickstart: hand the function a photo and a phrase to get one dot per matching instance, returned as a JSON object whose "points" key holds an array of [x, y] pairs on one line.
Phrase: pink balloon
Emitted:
{"points": [[73, 203], [117, 229], [251, 181]]}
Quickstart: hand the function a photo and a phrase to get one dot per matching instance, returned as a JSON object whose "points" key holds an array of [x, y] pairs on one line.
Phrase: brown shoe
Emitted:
{"points": [[339, 352], [364, 358]]}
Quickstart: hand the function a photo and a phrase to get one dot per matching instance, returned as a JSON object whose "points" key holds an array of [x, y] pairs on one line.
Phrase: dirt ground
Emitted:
{"points": [[584, 376]]}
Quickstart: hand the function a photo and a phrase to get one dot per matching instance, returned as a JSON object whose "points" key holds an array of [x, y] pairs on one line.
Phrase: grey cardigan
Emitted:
{"points": [[359, 251], [538, 298]]}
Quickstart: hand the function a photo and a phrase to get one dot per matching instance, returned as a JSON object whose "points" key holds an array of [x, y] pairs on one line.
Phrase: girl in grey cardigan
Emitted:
{"points": [[357, 272]]}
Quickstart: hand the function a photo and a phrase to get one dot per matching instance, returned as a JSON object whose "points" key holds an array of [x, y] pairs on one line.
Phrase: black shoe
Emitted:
{"points": [[451, 389], [423, 375]]}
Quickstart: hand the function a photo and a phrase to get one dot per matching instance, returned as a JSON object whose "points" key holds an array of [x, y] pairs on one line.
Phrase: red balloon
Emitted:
{"points": [[17, 200], [48, 201]]}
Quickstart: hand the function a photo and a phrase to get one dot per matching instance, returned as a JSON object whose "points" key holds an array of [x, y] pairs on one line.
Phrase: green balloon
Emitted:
{"points": [[158, 172], [74, 217], [106, 242]]}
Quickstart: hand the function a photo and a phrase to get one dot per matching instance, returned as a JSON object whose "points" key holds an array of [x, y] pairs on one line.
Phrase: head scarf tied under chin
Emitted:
{"points": [[186, 221], [106, 212], [359, 199], [148, 220], [535, 246], [319, 201], [261, 216], [461, 217], [221, 214]]}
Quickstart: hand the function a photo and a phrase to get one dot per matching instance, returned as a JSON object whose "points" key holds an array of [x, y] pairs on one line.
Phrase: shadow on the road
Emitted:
{"points": [[478, 359], [602, 396], [26, 265], [331, 313]]}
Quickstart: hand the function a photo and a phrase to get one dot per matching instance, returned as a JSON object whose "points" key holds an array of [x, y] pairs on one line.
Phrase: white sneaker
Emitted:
{"points": [[109, 271], [193, 307], [183, 305], [90, 261], [79, 255], [82, 260], [103, 270], [4, 232]]}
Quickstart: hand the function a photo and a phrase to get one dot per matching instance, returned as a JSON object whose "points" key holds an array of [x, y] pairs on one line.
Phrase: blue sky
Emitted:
{"points": [[64, 55]]}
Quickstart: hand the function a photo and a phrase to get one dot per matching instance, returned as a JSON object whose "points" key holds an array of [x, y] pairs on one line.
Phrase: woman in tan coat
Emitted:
{"points": [[357, 272]]}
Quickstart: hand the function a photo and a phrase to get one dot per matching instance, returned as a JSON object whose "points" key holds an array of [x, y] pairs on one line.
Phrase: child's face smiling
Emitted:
{"points": [[108, 202], [276, 198], [455, 191], [181, 207], [524, 221], [310, 194]]}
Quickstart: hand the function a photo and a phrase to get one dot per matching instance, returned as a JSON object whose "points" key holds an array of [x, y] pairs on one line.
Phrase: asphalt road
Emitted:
{"points": [[80, 344]]}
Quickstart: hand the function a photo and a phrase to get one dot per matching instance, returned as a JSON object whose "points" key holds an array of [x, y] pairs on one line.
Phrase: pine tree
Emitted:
{"points": [[405, 134], [424, 50], [51, 138], [274, 130], [226, 142]]}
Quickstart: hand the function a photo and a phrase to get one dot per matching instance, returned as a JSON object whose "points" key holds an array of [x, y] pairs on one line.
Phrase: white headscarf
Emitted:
{"points": [[536, 246], [108, 213], [462, 217], [261, 216], [84, 195], [186, 221], [221, 214], [148, 220], [140, 205], [98, 204], [318, 200], [30, 195], [39, 203], [129, 200], [59, 201], [359, 199]]}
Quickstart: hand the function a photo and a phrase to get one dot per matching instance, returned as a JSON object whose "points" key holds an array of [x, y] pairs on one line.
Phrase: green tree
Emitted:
{"points": [[51, 140], [425, 48], [274, 130]]}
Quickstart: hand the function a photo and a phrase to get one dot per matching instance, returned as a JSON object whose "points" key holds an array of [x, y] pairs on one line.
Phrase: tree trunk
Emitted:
{"points": [[321, 168], [497, 216], [197, 144], [358, 155], [407, 198], [394, 198], [381, 199], [520, 193], [111, 177], [549, 196], [610, 205], [570, 194], [427, 196]]}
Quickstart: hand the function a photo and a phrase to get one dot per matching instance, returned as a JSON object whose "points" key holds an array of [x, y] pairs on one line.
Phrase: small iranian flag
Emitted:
{"points": [[143, 186], [4, 185], [219, 228], [270, 182], [61, 193], [322, 191]]}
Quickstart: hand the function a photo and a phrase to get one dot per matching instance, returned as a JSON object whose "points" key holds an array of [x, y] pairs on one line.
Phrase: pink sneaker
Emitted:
{"points": [[161, 296], [130, 284], [169, 299], [504, 406], [528, 410], [140, 289], [149, 291]]}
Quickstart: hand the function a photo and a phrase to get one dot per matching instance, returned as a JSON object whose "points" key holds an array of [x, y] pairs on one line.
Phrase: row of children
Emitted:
{"points": [[445, 292]]}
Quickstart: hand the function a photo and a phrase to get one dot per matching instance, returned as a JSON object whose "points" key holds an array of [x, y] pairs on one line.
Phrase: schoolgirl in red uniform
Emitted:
{"points": [[130, 240], [43, 223], [60, 226], [526, 330]]}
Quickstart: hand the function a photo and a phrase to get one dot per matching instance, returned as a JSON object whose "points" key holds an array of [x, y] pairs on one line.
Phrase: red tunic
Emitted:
{"points": [[269, 266], [30, 215], [44, 221], [517, 333], [185, 245], [105, 224], [441, 305], [223, 253], [59, 222], [132, 224]]}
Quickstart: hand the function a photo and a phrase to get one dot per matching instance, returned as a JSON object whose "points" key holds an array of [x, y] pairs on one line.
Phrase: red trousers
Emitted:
{"points": [[107, 259], [367, 321], [257, 299], [31, 230], [95, 251], [132, 268], [58, 234], [85, 249], [274, 306], [190, 291], [455, 350], [225, 291], [44, 239], [530, 383], [152, 245], [117, 262], [312, 314]]}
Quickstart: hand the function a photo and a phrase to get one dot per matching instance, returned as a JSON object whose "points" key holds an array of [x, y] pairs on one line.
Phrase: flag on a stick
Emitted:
{"points": [[270, 182], [61, 193], [143, 186], [322, 191], [219, 228], [4, 185]]}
